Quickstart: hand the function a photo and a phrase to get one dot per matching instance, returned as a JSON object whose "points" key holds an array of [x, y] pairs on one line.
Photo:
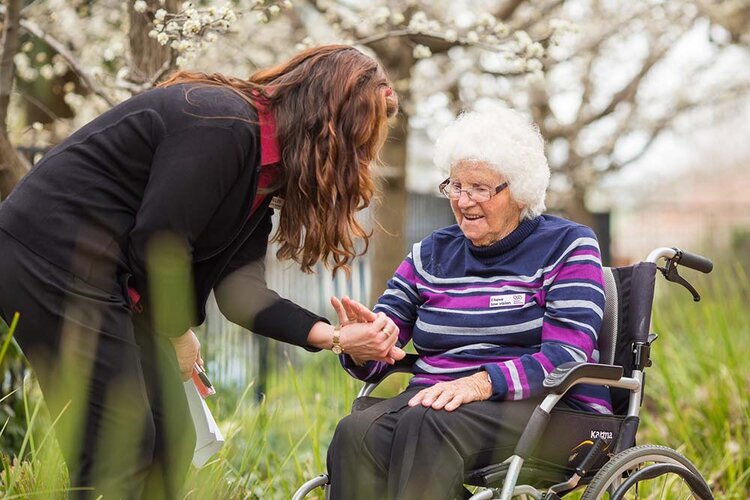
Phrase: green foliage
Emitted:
{"points": [[696, 403]]}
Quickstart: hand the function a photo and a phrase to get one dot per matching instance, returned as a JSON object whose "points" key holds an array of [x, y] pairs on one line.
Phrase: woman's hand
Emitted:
{"points": [[451, 395], [365, 335], [188, 351]]}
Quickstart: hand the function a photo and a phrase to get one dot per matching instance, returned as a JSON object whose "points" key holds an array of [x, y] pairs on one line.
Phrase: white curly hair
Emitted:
{"points": [[506, 141]]}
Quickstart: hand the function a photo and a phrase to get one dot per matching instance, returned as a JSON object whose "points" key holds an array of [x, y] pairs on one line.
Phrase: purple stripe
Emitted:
{"points": [[430, 378], [439, 362], [580, 272], [589, 399], [567, 336], [406, 271], [544, 361]]}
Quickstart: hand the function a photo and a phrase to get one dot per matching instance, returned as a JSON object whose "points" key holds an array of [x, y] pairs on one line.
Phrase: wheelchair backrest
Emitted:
{"points": [[629, 296]]}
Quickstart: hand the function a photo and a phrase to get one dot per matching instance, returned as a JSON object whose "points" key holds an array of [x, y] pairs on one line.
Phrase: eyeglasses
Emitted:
{"points": [[478, 192]]}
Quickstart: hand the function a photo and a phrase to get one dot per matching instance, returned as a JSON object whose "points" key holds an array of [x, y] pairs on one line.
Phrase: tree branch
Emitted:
{"points": [[66, 54], [7, 68], [508, 9]]}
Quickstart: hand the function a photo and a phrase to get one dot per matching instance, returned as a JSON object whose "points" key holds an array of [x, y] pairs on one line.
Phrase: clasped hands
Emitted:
{"points": [[373, 336], [365, 335]]}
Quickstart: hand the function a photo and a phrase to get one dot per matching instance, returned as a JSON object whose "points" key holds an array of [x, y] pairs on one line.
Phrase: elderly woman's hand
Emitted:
{"points": [[451, 395], [365, 335]]}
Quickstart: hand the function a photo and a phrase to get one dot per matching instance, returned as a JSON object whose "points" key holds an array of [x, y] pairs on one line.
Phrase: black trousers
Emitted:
{"points": [[392, 450], [124, 426]]}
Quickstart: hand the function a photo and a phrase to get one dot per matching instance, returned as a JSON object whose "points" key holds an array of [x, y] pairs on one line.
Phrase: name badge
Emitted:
{"points": [[276, 203], [511, 299]]}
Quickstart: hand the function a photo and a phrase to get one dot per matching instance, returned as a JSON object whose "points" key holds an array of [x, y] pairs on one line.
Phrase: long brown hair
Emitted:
{"points": [[331, 105]]}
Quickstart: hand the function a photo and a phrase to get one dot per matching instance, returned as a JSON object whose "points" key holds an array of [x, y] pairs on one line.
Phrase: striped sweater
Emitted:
{"points": [[516, 309]]}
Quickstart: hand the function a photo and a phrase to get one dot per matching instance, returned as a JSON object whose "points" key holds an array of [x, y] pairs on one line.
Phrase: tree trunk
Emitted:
{"points": [[390, 213], [575, 208], [12, 166], [148, 57], [388, 244]]}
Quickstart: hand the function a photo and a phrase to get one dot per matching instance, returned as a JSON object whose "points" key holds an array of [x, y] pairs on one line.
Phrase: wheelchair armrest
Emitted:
{"points": [[565, 375], [404, 365]]}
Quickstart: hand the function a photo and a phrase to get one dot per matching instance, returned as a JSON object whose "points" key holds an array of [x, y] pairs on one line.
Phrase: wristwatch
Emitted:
{"points": [[336, 348]]}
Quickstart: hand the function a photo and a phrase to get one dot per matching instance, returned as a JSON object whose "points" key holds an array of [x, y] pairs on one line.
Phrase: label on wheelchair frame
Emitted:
{"points": [[511, 299], [606, 435]]}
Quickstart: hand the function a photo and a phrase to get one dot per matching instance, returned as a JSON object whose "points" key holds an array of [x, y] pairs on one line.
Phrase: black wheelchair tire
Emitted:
{"points": [[632, 457]]}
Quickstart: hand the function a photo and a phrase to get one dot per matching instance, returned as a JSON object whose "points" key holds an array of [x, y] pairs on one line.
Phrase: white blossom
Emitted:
{"points": [[381, 15], [140, 6], [160, 14], [533, 65], [486, 19], [287, 4], [153, 34], [181, 61], [274, 10], [451, 35], [26, 47], [37, 126], [397, 18], [472, 37], [418, 22], [211, 37], [421, 52], [262, 17], [47, 72], [162, 38]]}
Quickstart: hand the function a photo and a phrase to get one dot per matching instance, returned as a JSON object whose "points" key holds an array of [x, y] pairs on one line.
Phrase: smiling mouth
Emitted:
{"points": [[472, 217]]}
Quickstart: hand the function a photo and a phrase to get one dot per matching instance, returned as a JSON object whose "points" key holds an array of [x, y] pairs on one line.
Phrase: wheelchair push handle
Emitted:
{"points": [[694, 261], [675, 257]]}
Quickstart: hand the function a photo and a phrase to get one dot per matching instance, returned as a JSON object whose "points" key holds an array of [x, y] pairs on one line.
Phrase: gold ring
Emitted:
{"points": [[386, 332]]}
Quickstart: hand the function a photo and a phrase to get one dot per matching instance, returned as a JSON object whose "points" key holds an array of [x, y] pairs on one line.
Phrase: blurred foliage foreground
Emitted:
{"points": [[696, 402]]}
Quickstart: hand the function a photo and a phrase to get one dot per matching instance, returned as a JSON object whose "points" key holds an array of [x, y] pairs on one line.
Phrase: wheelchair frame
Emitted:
{"points": [[559, 382]]}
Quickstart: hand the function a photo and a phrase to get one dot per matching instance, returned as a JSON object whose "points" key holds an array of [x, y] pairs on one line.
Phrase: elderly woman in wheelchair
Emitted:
{"points": [[503, 309]]}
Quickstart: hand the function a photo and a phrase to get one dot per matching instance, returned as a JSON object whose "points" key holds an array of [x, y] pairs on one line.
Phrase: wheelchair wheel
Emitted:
{"points": [[647, 471]]}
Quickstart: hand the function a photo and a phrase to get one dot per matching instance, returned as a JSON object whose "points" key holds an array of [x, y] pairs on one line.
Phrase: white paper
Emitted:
{"points": [[209, 439]]}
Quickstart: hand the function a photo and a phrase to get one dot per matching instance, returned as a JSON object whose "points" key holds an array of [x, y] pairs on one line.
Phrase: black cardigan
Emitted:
{"points": [[167, 160]]}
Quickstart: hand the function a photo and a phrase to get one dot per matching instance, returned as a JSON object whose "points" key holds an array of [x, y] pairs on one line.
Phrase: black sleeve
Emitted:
{"points": [[191, 173], [245, 299]]}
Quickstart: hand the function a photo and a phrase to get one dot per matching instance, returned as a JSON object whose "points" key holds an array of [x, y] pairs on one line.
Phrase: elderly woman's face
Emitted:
{"points": [[486, 222]]}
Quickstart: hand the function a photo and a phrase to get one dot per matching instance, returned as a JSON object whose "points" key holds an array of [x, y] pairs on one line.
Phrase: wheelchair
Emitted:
{"points": [[583, 451]]}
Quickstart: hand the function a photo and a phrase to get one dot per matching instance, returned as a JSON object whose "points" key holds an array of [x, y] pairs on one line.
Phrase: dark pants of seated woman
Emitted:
{"points": [[123, 423], [392, 450]]}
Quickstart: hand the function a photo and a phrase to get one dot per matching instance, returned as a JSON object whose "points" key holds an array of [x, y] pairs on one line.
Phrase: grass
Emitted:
{"points": [[696, 403]]}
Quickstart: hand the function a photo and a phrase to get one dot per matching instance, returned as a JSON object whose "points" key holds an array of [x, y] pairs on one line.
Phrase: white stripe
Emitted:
{"points": [[407, 286], [573, 304], [517, 389], [392, 310], [599, 408], [398, 293], [578, 323], [490, 330], [579, 258], [472, 347], [584, 285], [577, 354]]}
